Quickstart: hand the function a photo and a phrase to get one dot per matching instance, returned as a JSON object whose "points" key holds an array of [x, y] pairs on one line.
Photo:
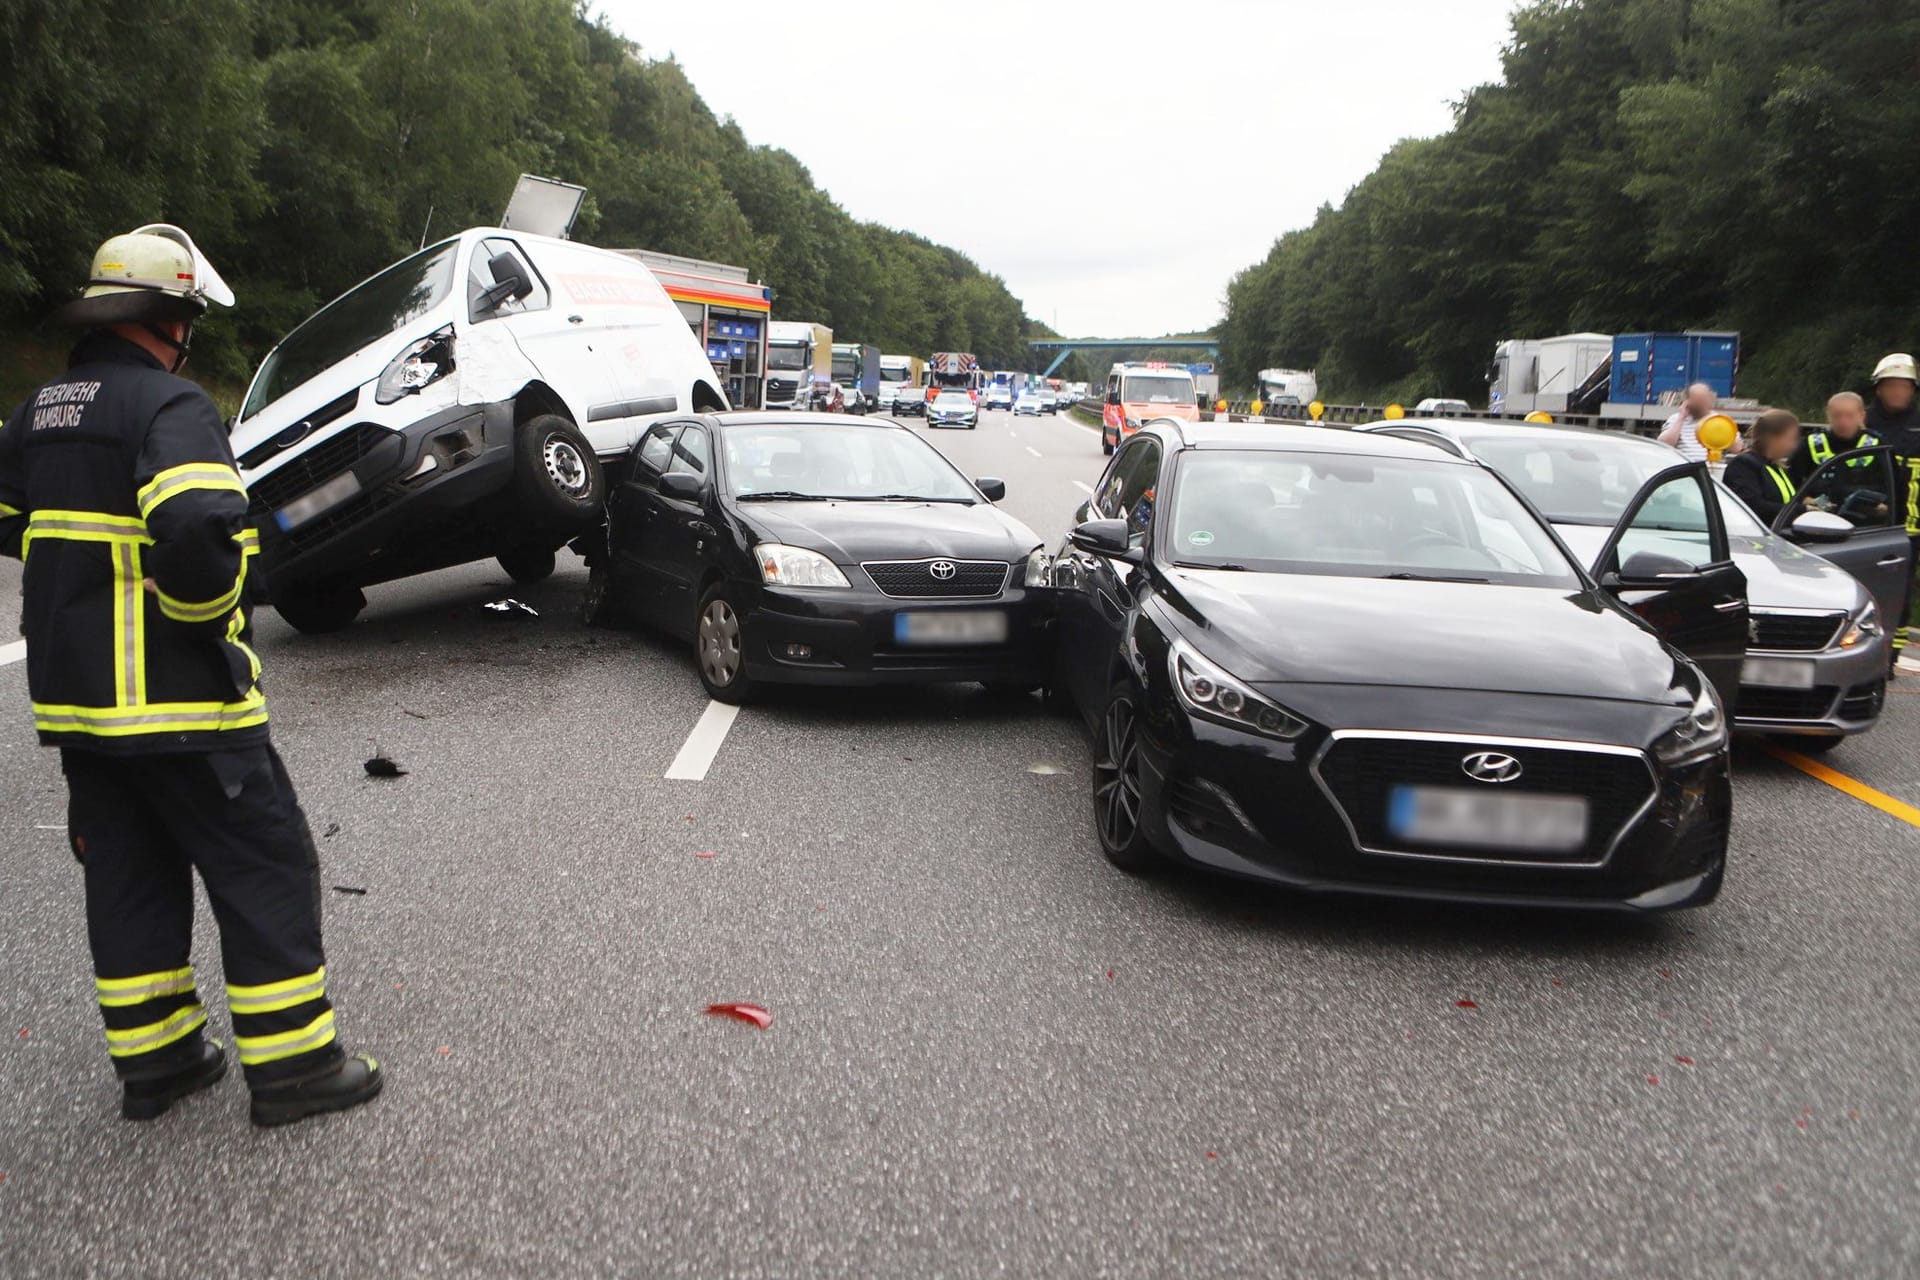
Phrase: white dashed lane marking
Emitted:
{"points": [[1035, 452], [1084, 487], [11, 653], [703, 744]]}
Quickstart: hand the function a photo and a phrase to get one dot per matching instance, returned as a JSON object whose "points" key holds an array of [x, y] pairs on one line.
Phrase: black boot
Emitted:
{"points": [[149, 1099], [348, 1083]]}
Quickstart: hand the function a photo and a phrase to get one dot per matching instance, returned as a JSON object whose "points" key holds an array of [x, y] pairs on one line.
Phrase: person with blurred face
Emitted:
{"points": [[1895, 418], [1682, 430], [1844, 436], [1759, 476]]}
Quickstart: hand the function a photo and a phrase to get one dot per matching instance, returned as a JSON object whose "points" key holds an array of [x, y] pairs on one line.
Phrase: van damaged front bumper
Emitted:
{"points": [[369, 503]]}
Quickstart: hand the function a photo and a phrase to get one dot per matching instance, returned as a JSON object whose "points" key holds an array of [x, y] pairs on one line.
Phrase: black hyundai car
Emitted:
{"points": [[821, 549], [1352, 663]]}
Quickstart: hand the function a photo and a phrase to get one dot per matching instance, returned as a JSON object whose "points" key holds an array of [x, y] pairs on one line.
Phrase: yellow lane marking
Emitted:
{"points": [[1841, 782]]}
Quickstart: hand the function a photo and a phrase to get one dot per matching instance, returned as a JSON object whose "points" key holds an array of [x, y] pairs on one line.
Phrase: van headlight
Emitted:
{"points": [[784, 566], [1864, 626], [1696, 735], [421, 365], [1212, 694]]}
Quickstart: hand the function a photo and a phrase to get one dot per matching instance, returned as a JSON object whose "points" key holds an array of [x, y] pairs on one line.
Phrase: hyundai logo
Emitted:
{"points": [[1490, 766], [943, 570]]}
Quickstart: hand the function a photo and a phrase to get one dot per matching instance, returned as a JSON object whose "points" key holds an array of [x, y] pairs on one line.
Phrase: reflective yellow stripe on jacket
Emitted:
{"points": [[193, 475], [1781, 481]]}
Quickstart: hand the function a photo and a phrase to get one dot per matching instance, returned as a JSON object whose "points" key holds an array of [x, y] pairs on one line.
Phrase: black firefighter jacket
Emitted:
{"points": [[118, 489]]}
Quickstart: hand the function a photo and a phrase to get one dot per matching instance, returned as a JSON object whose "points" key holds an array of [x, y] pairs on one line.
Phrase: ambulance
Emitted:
{"points": [[1142, 390]]}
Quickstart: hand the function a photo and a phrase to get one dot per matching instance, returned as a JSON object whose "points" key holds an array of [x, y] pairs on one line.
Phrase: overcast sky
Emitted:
{"points": [[1115, 166]]}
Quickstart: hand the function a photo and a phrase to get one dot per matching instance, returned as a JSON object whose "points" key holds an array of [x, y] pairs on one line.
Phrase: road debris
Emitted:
{"points": [[743, 1012], [1045, 770], [333, 829], [347, 888], [381, 767], [509, 608]]}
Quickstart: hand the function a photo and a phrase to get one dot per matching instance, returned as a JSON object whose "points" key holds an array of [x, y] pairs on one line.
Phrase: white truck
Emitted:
{"points": [[902, 382], [799, 365], [466, 402], [1286, 387]]}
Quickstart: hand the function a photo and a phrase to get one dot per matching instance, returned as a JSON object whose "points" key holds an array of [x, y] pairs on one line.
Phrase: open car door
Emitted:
{"points": [[1667, 560], [1853, 512]]}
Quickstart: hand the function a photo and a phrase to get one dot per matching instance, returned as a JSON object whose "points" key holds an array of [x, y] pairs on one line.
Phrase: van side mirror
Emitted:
{"points": [[512, 281]]}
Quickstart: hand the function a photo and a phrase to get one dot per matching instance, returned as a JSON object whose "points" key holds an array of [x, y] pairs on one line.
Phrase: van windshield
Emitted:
{"points": [[1158, 390], [396, 297]]}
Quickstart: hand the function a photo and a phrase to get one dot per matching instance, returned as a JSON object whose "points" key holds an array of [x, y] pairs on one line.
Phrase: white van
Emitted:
{"points": [[464, 403]]}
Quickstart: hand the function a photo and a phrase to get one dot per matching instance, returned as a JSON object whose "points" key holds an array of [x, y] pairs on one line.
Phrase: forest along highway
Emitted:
{"points": [[989, 1049]]}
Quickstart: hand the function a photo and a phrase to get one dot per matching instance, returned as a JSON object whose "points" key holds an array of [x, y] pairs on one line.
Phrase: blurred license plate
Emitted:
{"points": [[1777, 673], [338, 489], [975, 626], [1458, 816]]}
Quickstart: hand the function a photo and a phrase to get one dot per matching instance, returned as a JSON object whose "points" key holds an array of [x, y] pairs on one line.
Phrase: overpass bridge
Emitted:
{"points": [[1065, 347]]}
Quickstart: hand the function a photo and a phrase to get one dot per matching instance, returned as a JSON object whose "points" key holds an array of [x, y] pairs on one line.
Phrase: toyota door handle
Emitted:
{"points": [[1728, 606]]}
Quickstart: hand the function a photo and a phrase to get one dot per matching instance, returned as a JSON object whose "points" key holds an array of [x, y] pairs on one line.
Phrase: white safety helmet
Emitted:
{"points": [[1897, 365], [150, 275]]}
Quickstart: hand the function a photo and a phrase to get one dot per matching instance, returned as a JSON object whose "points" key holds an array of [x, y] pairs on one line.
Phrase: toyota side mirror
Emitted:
{"points": [[1821, 526], [991, 488], [682, 485], [1106, 538]]}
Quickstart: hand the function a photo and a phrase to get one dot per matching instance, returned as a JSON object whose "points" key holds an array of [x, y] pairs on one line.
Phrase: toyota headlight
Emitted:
{"points": [[1863, 627], [784, 566], [1039, 569], [422, 364], [1212, 694], [1698, 734]]}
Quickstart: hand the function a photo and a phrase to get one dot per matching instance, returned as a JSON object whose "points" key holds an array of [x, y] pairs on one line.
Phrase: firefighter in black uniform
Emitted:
{"points": [[118, 490], [1856, 488], [1894, 416]]}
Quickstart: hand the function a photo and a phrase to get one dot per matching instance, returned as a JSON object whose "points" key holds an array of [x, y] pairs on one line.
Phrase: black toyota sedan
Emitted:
{"points": [[820, 549], [1352, 663]]}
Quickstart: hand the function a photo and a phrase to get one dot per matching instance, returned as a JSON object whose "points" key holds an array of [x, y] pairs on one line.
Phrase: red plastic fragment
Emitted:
{"points": [[1109, 973], [1653, 1079], [25, 1032], [1212, 1155], [1666, 975], [744, 1012], [1685, 1062], [1558, 983], [1802, 1122], [1465, 1004], [705, 853]]}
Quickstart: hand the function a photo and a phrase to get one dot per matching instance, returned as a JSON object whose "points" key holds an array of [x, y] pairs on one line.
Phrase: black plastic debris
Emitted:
{"points": [[333, 829], [355, 890], [381, 767], [514, 609]]}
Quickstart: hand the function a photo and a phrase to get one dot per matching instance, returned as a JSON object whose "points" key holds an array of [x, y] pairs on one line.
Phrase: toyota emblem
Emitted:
{"points": [[943, 570], [1490, 766]]}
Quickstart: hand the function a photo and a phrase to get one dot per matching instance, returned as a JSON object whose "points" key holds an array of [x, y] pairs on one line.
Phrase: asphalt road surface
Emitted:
{"points": [[990, 1052]]}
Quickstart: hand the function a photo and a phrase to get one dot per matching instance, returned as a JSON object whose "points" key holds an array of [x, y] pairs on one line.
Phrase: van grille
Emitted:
{"points": [[314, 467], [332, 411]]}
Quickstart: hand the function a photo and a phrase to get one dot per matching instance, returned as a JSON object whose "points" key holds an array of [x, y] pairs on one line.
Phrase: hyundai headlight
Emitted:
{"points": [[1863, 626], [1698, 734], [1039, 569], [422, 364], [1212, 694], [784, 566]]}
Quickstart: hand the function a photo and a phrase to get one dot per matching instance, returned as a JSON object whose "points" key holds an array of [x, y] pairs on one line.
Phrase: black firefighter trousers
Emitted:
{"points": [[141, 825]]}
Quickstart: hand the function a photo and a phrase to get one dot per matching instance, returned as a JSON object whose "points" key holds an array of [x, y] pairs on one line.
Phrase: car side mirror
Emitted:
{"points": [[1821, 526], [1649, 570], [683, 485], [1106, 538], [991, 488], [1113, 397]]}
